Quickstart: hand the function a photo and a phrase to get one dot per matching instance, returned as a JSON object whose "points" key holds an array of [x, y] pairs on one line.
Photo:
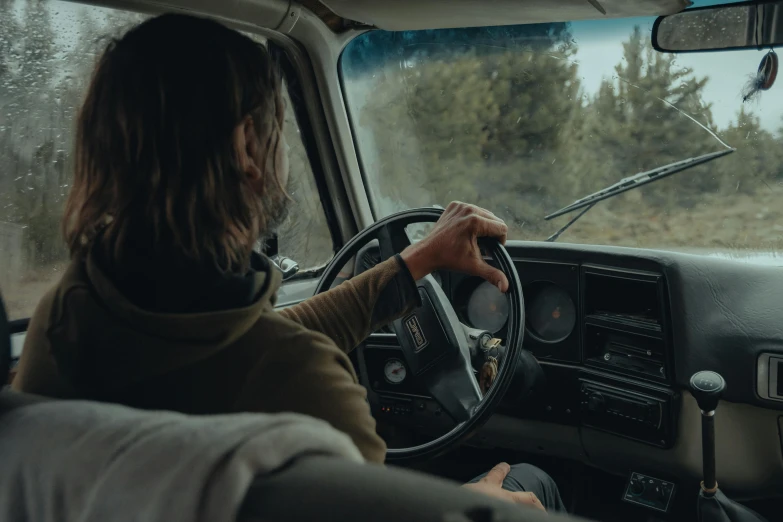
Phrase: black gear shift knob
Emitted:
{"points": [[707, 388]]}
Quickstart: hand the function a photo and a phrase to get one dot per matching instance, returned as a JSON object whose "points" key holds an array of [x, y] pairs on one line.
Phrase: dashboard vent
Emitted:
{"points": [[370, 258], [627, 298], [625, 322], [384, 329]]}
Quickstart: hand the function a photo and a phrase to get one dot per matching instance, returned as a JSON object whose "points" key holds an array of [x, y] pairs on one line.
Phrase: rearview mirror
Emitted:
{"points": [[746, 25]]}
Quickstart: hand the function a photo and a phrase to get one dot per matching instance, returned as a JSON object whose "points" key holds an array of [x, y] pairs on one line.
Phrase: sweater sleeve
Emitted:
{"points": [[351, 311], [314, 377]]}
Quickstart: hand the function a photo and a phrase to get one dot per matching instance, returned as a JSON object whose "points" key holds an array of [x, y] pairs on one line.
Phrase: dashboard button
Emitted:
{"points": [[595, 402]]}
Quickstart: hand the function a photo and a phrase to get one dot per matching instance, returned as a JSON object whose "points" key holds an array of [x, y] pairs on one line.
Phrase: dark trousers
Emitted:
{"points": [[524, 477]]}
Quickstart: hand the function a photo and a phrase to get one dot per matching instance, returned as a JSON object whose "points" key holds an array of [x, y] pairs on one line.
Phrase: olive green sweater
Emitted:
{"points": [[87, 340]]}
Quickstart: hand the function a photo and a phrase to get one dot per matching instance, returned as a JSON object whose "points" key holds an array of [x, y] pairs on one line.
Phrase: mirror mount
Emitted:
{"points": [[287, 266]]}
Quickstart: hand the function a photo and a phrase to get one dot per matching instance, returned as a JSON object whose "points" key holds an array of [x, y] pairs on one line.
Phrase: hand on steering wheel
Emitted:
{"points": [[453, 244]]}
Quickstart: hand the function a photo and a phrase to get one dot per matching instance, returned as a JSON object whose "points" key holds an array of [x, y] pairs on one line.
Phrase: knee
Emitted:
{"points": [[535, 480], [529, 471]]}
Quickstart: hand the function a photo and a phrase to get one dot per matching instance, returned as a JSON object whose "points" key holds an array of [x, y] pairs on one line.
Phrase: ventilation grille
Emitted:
{"points": [[369, 259]]}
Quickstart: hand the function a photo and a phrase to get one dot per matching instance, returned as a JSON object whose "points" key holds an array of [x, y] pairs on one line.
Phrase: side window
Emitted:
{"points": [[47, 52], [305, 236]]}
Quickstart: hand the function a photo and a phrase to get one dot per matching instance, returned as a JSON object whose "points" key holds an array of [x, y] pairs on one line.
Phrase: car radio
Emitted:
{"points": [[643, 416]]}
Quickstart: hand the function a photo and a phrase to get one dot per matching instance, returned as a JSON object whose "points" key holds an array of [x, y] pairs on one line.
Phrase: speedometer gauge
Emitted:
{"points": [[488, 308], [551, 314], [394, 371]]}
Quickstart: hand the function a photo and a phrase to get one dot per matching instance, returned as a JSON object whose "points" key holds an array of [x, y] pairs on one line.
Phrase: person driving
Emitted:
{"points": [[180, 168]]}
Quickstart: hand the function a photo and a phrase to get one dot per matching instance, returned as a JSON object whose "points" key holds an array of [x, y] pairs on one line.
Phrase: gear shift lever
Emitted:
{"points": [[707, 388], [713, 505]]}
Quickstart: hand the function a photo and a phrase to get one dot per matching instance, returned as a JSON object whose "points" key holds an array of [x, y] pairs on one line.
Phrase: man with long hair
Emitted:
{"points": [[180, 168]]}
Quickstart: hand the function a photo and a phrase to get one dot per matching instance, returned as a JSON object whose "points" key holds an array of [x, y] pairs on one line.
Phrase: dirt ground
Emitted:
{"points": [[745, 223]]}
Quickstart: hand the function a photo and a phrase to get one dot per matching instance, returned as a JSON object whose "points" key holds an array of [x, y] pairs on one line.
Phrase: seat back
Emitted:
{"points": [[10, 400]]}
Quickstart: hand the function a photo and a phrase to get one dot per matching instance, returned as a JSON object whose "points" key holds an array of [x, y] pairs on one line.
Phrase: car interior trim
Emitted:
{"points": [[399, 15]]}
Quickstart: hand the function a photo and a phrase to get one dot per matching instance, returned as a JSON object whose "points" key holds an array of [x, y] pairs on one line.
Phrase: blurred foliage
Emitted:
{"points": [[503, 122], [47, 54], [38, 105]]}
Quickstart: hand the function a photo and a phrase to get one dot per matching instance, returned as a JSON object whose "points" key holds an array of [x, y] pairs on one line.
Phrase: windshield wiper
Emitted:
{"points": [[630, 183]]}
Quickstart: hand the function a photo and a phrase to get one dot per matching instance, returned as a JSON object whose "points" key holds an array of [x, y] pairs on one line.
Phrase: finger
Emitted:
{"points": [[485, 213], [497, 474], [528, 499], [468, 209], [452, 208], [486, 227], [489, 273]]}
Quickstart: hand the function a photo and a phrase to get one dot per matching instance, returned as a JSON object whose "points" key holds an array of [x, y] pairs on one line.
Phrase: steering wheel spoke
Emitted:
{"points": [[392, 239], [452, 383], [436, 350]]}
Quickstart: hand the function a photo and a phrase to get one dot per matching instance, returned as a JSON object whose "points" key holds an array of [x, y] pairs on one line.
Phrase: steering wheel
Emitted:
{"points": [[432, 339]]}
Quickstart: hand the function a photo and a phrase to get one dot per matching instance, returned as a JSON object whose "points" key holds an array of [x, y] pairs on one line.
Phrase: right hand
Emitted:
{"points": [[452, 244], [492, 485]]}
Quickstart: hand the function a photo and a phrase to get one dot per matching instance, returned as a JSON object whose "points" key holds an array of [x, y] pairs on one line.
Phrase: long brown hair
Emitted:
{"points": [[155, 156]]}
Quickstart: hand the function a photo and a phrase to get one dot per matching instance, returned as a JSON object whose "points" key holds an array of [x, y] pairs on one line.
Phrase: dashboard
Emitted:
{"points": [[618, 333], [604, 327]]}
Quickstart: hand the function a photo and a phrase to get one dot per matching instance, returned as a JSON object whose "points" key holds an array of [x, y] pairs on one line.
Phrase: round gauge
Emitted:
{"points": [[550, 312], [487, 308], [394, 371]]}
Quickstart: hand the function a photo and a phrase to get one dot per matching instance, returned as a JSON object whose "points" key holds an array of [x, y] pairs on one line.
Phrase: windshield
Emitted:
{"points": [[525, 120]]}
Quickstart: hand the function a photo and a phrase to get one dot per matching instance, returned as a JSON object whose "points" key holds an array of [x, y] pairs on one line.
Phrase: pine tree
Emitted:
{"points": [[637, 122], [757, 163], [476, 118]]}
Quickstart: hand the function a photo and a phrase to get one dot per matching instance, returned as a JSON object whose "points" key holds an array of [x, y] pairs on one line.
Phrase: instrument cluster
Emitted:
{"points": [[551, 311]]}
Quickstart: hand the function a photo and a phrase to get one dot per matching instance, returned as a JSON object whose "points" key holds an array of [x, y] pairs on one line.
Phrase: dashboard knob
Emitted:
{"points": [[595, 402], [637, 487]]}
